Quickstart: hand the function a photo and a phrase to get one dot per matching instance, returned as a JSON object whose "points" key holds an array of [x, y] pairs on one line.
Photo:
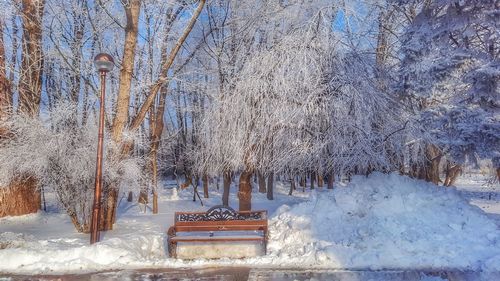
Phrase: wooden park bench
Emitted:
{"points": [[219, 232]]}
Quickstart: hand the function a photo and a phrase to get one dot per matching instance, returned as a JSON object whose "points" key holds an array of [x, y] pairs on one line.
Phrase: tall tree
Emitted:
{"points": [[30, 79], [122, 120]]}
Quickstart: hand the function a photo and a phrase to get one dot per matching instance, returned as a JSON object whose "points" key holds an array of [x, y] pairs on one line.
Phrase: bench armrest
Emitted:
{"points": [[171, 231]]}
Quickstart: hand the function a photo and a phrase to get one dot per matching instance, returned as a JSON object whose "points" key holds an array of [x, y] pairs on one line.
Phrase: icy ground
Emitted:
{"points": [[379, 222], [261, 274]]}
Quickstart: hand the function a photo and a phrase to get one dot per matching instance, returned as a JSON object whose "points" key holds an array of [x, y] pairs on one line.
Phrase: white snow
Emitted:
{"points": [[385, 222], [379, 222], [482, 192]]}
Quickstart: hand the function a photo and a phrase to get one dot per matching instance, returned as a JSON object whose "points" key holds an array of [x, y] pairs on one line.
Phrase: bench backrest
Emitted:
{"points": [[221, 218]]}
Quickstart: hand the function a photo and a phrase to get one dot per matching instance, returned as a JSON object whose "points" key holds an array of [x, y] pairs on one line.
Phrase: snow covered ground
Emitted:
{"points": [[480, 191], [379, 222]]}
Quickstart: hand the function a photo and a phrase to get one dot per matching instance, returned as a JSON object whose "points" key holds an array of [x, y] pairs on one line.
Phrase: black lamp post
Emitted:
{"points": [[104, 63]]}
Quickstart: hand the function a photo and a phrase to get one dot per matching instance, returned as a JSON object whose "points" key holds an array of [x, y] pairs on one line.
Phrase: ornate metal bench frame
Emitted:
{"points": [[217, 218]]}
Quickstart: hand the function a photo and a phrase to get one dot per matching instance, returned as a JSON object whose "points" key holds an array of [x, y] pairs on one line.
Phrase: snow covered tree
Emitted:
{"points": [[303, 105], [450, 72]]}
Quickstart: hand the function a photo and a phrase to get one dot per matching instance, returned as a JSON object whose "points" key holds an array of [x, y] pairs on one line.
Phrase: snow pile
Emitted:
{"points": [[385, 221]]}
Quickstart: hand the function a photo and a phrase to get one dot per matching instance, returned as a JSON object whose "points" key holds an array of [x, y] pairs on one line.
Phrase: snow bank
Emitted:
{"points": [[379, 222], [24, 254], [386, 221]]}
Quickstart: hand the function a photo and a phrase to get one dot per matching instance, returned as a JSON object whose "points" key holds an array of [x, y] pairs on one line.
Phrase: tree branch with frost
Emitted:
{"points": [[137, 120]]}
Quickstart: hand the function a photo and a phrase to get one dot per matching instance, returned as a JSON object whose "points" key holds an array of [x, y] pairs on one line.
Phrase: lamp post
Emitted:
{"points": [[104, 63]]}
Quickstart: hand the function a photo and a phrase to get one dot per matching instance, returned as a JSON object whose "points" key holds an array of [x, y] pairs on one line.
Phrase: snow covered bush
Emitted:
{"points": [[61, 155]]}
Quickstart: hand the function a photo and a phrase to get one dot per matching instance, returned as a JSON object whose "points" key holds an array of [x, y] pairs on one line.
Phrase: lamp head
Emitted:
{"points": [[104, 62]]}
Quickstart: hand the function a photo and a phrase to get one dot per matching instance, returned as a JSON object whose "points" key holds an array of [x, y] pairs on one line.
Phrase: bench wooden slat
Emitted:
{"points": [[215, 239]]}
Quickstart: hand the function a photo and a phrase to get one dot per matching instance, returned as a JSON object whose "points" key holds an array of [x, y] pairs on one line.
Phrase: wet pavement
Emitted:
{"points": [[236, 274]]}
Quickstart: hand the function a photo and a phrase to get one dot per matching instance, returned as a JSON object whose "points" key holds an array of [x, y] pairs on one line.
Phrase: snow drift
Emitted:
{"points": [[385, 221], [376, 222]]}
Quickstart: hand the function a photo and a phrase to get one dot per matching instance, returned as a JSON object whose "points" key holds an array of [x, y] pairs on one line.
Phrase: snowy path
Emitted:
{"points": [[480, 192], [259, 274]]}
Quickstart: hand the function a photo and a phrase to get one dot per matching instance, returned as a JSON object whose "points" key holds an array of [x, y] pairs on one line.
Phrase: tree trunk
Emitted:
{"points": [[320, 179], [79, 226], [382, 49], [78, 32], [153, 157], [13, 57], [331, 180], [429, 169], [157, 131], [30, 78], [154, 177], [313, 177], [292, 184], [452, 173], [270, 186], [5, 92], [132, 10], [143, 197], [188, 181], [21, 197], [205, 186], [245, 191], [227, 185], [262, 182], [434, 157], [108, 209], [195, 188]]}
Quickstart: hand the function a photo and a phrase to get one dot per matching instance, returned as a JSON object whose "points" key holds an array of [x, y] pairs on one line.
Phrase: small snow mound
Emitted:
{"points": [[385, 221], [14, 240]]}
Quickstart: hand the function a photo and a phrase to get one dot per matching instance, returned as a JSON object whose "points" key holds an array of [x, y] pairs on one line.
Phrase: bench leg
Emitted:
{"points": [[172, 249]]}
